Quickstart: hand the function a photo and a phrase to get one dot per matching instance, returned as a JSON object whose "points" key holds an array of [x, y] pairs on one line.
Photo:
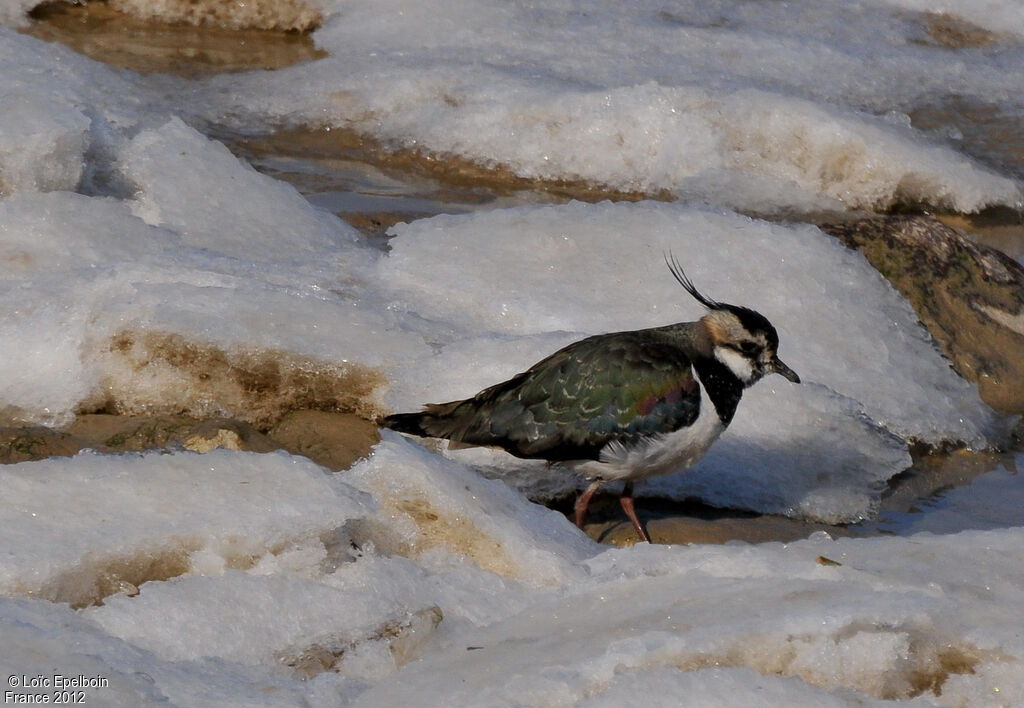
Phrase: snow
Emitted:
{"points": [[70, 521], [731, 103], [138, 256], [314, 579]]}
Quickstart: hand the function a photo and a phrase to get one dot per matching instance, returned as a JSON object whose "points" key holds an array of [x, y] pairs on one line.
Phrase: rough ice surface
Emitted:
{"points": [[226, 206], [324, 586], [870, 624], [166, 510], [42, 144], [727, 102], [427, 492], [287, 15], [174, 237], [234, 579]]}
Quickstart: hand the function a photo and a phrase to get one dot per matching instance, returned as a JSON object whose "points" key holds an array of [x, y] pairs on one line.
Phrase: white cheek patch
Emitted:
{"points": [[738, 364]]}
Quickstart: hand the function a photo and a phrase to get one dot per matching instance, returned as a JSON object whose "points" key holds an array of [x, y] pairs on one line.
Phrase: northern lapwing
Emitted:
{"points": [[620, 406]]}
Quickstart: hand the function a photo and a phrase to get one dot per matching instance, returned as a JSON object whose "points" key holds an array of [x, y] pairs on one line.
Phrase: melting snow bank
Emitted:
{"points": [[175, 260], [166, 309], [899, 618], [760, 107], [391, 596]]}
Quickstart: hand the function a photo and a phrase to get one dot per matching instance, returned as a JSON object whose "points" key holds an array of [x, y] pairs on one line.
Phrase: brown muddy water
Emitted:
{"points": [[373, 188]]}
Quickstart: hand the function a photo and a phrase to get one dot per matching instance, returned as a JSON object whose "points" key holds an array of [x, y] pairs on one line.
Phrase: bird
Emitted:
{"points": [[621, 406]]}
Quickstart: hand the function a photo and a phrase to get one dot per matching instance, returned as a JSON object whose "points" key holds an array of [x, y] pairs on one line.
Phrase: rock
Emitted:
{"points": [[133, 433], [228, 434], [36, 443], [969, 296], [334, 440]]}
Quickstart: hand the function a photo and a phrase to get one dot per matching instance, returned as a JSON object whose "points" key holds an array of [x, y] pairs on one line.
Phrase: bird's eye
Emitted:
{"points": [[748, 347]]}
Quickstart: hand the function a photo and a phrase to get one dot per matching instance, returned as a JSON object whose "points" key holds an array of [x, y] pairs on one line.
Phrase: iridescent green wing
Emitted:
{"points": [[622, 386]]}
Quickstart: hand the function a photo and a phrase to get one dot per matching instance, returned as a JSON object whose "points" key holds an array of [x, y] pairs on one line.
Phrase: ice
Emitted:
{"points": [[732, 103], [890, 622], [712, 687], [172, 619], [597, 268], [423, 493], [286, 15], [62, 116], [236, 254], [112, 290], [75, 646], [195, 257], [225, 205], [70, 523], [293, 574], [42, 143], [13, 13], [131, 245]]}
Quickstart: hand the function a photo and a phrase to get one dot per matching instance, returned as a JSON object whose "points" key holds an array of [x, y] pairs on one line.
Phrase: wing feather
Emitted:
{"points": [[615, 387]]}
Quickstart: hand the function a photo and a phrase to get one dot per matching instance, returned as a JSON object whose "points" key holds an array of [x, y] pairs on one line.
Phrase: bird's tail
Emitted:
{"points": [[411, 423], [453, 421]]}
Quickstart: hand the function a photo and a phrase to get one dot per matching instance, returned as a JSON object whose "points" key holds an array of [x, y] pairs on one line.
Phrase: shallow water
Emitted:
{"points": [[953, 493], [374, 187]]}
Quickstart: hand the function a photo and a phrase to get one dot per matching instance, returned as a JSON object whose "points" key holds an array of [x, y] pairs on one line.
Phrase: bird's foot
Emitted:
{"points": [[583, 501], [626, 500]]}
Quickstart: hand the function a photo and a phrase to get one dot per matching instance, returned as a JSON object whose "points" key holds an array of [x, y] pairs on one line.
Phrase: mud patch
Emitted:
{"points": [[97, 578], [116, 434], [457, 534], [950, 31], [232, 37], [454, 178], [334, 440], [905, 662], [23, 444], [724, 527], [157, 373], [399, 637]]}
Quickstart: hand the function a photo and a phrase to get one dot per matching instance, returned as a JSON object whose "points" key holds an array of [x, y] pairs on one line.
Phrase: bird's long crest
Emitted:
{"points": [[680, 275]]}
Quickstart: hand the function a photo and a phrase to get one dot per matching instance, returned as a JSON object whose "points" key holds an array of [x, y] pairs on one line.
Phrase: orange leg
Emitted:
{"points": [[583, 501], [626, 500]]}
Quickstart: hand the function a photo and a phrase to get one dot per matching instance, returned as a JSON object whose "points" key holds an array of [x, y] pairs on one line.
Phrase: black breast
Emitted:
{"points": [[723, 387]]}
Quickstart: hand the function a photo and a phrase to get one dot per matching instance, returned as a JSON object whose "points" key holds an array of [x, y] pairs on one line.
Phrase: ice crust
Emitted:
{"points": [[922, 620], [58, 515]]}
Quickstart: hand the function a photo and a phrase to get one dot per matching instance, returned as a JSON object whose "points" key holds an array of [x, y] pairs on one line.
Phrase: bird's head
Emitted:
{"points": [[742, 339]]}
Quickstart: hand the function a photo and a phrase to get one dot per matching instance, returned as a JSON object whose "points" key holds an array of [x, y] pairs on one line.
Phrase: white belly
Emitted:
{"points": [[659, 454]]}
